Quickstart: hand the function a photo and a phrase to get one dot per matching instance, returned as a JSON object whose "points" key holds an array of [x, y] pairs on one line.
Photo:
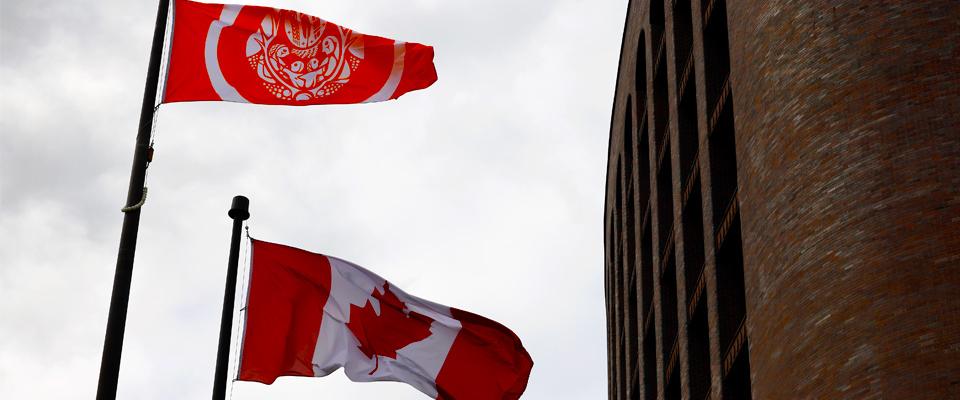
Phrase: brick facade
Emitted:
{"points": [[783, 201]]}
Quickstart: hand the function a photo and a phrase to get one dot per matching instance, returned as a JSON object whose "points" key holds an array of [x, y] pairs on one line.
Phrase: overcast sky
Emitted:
{"points": [[483, 192]]}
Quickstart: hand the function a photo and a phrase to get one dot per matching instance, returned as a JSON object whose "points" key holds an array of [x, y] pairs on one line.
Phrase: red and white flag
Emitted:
{"points": [[251, 54], [308, 314]]}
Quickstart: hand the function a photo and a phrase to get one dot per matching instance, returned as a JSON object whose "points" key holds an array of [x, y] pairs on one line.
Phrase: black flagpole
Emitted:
{"points": [[239, 211], [116, 321]]}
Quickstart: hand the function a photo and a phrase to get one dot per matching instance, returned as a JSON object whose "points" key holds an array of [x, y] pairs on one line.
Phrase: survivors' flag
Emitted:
{"points": [[262, 55], [310, 314]]}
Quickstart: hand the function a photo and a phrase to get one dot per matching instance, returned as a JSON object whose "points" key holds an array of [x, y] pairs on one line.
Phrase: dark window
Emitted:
{"points": [[649, 335], [723, 164], [631, 341], [665, 199], [661, 108], [640, 75], [647, 275], [668, 299], [716, 53], [650, 365], [657, 26], [616, 277], [736, 384], [689, 138], [731, 307], [698, 352], [693, 256], [682, 38], [673, 385]]}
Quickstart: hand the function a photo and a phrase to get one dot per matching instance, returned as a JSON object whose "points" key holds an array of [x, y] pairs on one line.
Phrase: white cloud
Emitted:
{"points": [[483, 192]]}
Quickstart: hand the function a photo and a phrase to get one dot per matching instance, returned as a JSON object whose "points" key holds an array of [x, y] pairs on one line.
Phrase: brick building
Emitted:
{"points": [[782, 212]]}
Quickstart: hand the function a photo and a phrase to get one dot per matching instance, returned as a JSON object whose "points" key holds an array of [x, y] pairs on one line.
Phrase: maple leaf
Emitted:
{"points": [[393, 329]]}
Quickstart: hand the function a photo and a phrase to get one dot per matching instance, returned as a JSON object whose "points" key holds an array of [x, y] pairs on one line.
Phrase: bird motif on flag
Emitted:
{"points": [[299, 57]]}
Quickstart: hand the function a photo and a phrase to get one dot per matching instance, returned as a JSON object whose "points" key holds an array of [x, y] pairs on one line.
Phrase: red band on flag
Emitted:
{"points": [[288, 290], [487, 361], [252, 54]]}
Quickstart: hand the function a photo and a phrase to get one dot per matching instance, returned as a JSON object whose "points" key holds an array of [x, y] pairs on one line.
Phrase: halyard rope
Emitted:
{"points": [[239, 325], [143, 199], [164, 64], [153, 130]]}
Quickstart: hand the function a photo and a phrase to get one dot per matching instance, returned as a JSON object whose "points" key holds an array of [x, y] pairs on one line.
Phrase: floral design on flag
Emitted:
{"points": [[299, 57]]}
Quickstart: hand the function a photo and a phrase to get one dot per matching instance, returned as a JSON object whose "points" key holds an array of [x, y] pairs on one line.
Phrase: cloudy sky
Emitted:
{"points": [[483, 192]]}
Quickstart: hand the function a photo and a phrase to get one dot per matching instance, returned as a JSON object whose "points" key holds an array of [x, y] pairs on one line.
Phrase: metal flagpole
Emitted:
{"points": [[116, 321], [239, 211]]}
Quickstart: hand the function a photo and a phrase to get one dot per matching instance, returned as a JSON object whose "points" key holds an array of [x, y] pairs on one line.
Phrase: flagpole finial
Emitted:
{"points": [[240, 209]]}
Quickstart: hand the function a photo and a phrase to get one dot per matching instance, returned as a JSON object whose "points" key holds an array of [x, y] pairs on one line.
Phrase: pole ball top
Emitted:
{"points": [[240, 209]]}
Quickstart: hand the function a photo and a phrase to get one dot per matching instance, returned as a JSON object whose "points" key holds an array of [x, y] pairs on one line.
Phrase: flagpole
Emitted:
{"points": [[239, 212], [117, 318]]}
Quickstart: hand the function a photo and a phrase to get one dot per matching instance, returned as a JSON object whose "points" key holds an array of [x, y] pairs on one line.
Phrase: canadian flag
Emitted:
{"points": [[308, 314], [252, 54]]}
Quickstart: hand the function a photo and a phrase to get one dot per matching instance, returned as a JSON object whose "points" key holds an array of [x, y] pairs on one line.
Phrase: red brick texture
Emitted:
{"points": [[847, 118]]}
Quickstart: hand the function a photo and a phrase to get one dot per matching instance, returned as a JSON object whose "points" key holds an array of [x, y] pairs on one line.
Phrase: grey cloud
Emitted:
{"points": [[482, 192]]}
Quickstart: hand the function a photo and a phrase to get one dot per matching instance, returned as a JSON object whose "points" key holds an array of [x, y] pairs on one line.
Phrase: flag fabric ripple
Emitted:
{"points": [[308, 314], [252, 54]]}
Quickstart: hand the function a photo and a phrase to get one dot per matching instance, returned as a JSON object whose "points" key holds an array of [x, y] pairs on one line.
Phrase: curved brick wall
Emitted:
{"points": [[848, 139]]}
